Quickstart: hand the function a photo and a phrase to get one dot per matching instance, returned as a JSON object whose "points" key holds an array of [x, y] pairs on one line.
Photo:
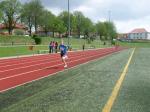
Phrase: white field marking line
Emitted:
{"points": [[35, 60], [38, 60], [51, 66], [37, 64], [61, 71], [45, 59], [38, 56], [114, 94], [27, 59], [41, 63], [29, 72], [24, 58], [20, 56]]}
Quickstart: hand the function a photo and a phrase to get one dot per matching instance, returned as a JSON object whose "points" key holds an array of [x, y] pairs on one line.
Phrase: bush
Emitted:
{"points": [[18, 32], [37, 40], [113, 42]]}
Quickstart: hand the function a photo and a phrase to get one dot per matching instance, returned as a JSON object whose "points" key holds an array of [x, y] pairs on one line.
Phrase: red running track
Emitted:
{"points": [[18, 71]]}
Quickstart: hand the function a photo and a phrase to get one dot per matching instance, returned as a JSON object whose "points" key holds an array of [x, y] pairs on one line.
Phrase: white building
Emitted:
{"points": [[139, 33]]}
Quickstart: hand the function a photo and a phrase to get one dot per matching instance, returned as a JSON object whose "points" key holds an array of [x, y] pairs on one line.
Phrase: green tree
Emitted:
{"points": [[101, 29], [111, 30], [10, 12], [46, 21], [27, 16], [0, 15], [36, 11], [58, 25], [79, 18], [31, 14], [64, 17], [88, 29]]}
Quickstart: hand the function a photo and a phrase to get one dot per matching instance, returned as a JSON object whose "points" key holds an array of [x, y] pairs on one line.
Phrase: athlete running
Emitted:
{"points": [[63, 53]]}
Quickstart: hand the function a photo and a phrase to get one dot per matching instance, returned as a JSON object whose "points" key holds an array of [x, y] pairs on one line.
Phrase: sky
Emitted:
{"points": [[126, 14]]}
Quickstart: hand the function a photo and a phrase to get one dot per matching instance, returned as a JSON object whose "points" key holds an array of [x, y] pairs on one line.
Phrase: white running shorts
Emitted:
{"points": [[65, 57]]}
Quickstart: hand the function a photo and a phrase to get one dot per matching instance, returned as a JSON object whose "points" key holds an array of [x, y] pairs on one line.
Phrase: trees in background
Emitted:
{"points": [[27, 16], [1, 16], [106, 30], [64, 17], [35, 16], [10, 13], [58, 26], [110, 30], [79, 22], [31, 13], [37, 11], [46, 21], [101, 30]]}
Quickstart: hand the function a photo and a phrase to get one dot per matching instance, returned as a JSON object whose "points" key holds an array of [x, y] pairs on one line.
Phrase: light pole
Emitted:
{"points": [[109, 16], [68, 21]]}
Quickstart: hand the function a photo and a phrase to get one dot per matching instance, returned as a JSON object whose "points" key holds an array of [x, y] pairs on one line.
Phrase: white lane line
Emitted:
{"points": [[59, 71], [39, 64], [39, 55], [20, 59], [38, 60], [51, 66], [35, 60]]}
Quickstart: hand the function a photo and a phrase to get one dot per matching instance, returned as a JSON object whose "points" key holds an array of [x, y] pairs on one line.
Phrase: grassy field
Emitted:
{"points": [[134, 44], [19, 50], [134, 95], [85, 88], [7, 49], [21, 40], [9, 40]]}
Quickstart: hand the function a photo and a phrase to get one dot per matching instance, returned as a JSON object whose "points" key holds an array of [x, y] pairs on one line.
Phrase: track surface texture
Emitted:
{"points": [[18, 71]]}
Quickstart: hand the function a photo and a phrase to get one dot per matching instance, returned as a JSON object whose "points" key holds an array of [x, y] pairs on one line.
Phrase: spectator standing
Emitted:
{"points": [[83, 47], [50, 47], [56, 47]]}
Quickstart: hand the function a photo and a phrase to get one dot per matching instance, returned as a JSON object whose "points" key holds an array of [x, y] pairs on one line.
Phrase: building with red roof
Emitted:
{"points": [[122, 36], [139, 33], [19, 29]]}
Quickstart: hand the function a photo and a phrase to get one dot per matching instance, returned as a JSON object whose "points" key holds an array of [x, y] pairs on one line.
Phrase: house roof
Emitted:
{"points": [[2, 26], [18, 26], [139, 30]]}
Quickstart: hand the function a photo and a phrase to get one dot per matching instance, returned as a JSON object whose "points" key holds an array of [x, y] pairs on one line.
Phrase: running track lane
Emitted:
{"points": [[30, 67], [19, 71]]}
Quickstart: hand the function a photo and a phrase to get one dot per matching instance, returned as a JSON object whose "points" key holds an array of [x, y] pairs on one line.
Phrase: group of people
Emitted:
{"points": [[53, 47]]}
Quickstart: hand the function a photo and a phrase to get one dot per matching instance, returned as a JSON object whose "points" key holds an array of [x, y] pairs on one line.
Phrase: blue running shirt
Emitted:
{"points": [[63, 49]]}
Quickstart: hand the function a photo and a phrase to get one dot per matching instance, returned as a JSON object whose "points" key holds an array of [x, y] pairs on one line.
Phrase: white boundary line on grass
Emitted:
{"points": [[61, 71]]}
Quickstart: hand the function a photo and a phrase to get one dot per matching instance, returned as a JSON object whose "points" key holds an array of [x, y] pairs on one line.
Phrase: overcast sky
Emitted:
{"points": [[126, 14]]}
